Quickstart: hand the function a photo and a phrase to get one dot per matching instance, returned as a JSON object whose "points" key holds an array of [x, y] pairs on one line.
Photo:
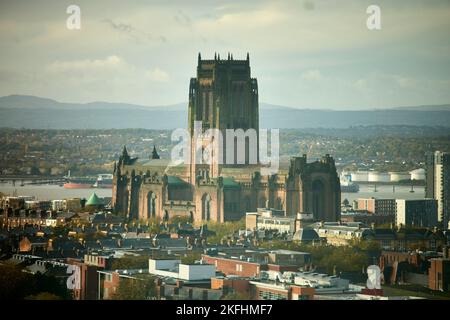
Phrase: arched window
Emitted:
{"points": [[151, 205], [206, 207]]}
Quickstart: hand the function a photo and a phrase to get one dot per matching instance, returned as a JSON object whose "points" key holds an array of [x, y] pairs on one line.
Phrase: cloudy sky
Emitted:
{"points": [[305, 53]]}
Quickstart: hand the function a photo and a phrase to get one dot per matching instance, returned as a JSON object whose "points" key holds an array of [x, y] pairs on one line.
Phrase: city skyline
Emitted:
{"points": [[296, 150]]}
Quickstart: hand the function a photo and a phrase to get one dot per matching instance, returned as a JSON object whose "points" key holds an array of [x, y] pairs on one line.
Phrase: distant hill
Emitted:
{"points": [[21, 111], [441, 107]]}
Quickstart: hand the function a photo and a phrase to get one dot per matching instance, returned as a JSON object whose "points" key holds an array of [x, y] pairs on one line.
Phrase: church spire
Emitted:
{"points": [[155, 154]]}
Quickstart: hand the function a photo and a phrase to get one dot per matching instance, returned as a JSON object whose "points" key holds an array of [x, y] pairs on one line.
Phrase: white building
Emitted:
{"points": [[375, 176], [57, 205], [417, 174], [399, 176], [270, 219], [322, 283], [173, 268], [438, 183], [360, 176]]}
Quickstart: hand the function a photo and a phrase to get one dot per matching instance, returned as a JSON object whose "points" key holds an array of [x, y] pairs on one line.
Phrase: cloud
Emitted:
{"points": [[183, 19], [157, 75], [303, 52], [390, 81], [122, 27], [312, 75], [134, 33], [112, 61]]}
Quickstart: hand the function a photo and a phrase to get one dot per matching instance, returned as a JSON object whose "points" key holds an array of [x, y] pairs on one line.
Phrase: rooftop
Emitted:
{"points": [[94, 200]]}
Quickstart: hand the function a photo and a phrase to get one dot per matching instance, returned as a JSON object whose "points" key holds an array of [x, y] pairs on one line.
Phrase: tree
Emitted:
{"points": [[224, 229], [190, 258], [16, 284], [130, 262], [180, 219], [135, 289], [13, 282]]}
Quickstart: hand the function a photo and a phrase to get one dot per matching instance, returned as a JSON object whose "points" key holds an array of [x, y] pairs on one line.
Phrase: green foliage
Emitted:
{"points": [[224, 229], [16, 284], [180, 219], [130, 262], [334, 259], [154, 225], [135, 289], [191, 257]]}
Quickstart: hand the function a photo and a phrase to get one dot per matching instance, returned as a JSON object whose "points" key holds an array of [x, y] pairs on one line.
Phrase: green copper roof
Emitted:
{"points": [[94, 200], [230, 182], [174, 180]]}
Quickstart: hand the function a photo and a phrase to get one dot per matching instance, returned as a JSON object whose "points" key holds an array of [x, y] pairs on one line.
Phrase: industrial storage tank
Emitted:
{"points": [[418, 174], [375, 176], [399, 176], [360, 176]]}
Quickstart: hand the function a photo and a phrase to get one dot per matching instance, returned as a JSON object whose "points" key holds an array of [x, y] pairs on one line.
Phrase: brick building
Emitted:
{"points": [[88, 281], [439, 272], [377, 206], [251, 264]]}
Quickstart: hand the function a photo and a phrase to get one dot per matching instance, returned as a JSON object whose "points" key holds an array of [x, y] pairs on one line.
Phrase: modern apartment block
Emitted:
{"points": [[438, 183], [416, 213], [377, 206]]}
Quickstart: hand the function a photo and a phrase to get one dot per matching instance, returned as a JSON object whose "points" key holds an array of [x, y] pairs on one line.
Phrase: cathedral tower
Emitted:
{"points": [[223, 96]]}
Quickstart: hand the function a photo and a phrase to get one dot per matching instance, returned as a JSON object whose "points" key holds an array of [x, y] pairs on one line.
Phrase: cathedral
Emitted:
{"points": [[223, 96]]}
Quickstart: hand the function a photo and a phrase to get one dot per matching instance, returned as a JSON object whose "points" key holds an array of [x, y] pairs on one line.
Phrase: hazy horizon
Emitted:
{"points": [[266, 104]]}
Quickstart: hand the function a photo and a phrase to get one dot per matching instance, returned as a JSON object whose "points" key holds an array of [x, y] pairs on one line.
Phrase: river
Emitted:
{"points": [[51, 192], [385, 192]]}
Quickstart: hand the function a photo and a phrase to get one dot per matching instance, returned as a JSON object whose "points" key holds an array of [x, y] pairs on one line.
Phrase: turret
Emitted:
{"points": [[125, 157]]}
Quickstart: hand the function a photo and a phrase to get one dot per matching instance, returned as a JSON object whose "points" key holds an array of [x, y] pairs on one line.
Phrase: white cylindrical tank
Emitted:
{"points": [[418, 174], [399, 176], [360, 176], [375, 176]]}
